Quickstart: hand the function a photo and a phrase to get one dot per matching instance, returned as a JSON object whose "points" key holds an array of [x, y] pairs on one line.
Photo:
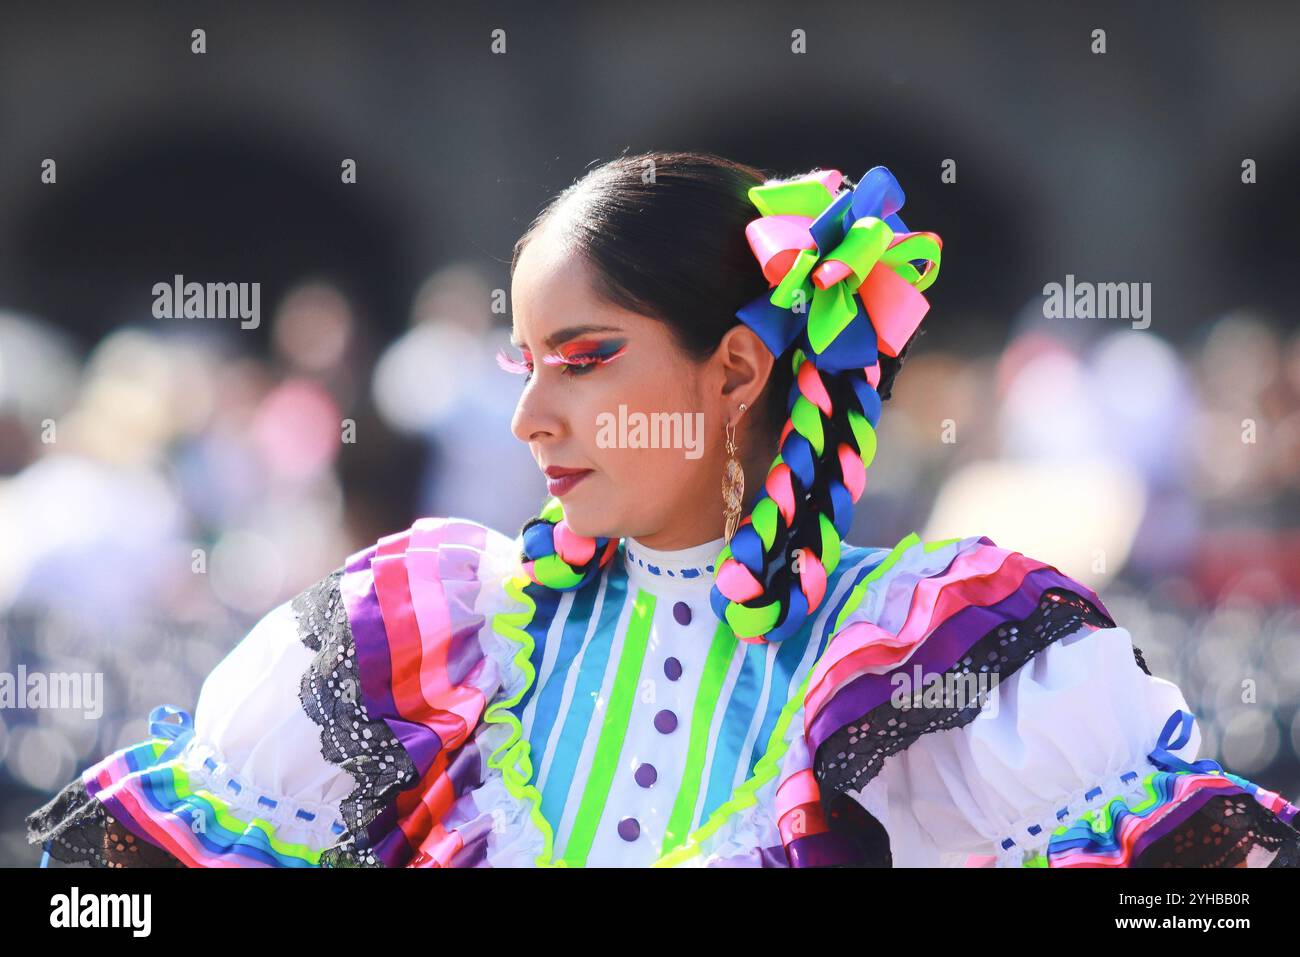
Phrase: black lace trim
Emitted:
{"points": [[1222, 833], [853, 755], [331, 695], [80, 830]]}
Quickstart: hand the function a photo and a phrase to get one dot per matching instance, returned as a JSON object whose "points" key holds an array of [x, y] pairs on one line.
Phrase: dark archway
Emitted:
{"points": [[214, 203], [1251, 228]]}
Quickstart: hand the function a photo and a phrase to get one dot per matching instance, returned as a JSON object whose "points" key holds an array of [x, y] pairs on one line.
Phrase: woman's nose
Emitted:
{"points": [[534, 416]]}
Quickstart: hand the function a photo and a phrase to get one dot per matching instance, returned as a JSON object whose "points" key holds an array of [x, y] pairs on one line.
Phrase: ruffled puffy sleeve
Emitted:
{"points": [[986, 710], [333, 734]]}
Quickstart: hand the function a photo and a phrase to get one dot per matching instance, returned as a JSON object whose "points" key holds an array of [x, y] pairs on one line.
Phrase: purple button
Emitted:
{"points": [[646, 775], [672, 668], [629, 829], [665, 722], [682, 612]]}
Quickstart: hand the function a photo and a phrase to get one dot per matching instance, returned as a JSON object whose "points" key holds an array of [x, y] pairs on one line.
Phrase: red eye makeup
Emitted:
{"points": [[574, 358]]}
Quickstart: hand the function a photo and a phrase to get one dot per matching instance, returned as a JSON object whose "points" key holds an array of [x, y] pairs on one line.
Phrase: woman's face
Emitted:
{"points": [[609, 391]]}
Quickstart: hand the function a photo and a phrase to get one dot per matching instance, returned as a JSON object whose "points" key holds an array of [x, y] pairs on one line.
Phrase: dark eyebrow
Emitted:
{"points": [[564, 335]]}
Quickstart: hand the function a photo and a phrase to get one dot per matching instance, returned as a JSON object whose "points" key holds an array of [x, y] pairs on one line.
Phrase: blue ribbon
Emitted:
{"points": [[178, 733], [1179, 724]]}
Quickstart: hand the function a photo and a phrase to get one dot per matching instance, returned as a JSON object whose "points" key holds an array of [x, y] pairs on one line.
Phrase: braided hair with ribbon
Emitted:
{"points": [[841, 281]]}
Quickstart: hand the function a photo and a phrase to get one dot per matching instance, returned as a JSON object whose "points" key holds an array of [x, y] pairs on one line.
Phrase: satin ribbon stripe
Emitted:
{"points": [[785, 771], [983, 576], [410, 604], [1116, 835]]}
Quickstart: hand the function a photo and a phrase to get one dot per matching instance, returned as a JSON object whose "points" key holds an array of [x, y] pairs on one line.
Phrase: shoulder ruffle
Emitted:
{"points": [[1071, 760], [334, 734], [243, 785], [1082, 760], [930, 609], [431, 671]]}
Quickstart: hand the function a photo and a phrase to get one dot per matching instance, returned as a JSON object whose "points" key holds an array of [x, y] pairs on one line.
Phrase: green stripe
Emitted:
{"points": [[766, 769], [612, 731], [706, 702]]}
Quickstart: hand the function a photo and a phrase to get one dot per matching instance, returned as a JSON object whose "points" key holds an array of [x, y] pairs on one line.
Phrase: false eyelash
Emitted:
{"points": [[580, 360], [512, 365]]}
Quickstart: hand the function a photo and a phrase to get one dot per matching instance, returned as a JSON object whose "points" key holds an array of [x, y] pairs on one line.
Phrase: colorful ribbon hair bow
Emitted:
{"points": [[847, 279], [818, 250]]}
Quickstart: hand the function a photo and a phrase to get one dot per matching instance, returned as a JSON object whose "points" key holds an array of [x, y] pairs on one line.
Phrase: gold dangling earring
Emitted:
{"points": [[733, 482]]}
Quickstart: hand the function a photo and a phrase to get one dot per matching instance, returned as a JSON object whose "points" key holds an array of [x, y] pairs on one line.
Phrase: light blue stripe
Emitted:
{"points": [[551, 697], [741, 706], [591, 674]]}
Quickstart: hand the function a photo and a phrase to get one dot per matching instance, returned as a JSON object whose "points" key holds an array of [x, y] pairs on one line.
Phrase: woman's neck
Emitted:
{"points": [[712, 525]]}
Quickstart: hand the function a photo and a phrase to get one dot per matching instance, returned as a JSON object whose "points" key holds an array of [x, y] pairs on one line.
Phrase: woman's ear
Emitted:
{"points": [[746, 365]]}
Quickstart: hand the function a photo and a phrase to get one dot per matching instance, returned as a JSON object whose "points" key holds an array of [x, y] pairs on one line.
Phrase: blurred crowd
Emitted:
{"points": [[163, 490]]}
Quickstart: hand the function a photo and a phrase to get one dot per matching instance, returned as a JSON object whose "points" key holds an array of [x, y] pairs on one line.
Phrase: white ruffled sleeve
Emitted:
{"points": [[365, 685], [241, 784], [250, 721], [1070, 728], [1073, 756]]}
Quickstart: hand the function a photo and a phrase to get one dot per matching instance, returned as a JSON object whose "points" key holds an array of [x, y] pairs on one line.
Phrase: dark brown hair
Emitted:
{"points": [[665, 233]]}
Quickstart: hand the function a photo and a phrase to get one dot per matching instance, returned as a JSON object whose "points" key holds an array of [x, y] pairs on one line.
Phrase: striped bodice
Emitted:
{"points": [[646, 712]]}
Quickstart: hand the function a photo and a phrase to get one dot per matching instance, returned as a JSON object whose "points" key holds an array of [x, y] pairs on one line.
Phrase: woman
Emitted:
{"points": [[647, 676]]}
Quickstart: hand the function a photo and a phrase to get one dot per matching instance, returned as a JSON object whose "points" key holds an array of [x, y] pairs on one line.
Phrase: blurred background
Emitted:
{"points": [[165, 482]]}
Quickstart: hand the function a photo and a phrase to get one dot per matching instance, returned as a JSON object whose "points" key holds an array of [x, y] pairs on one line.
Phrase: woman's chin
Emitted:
{"points": [[585, 521], [586, 529]]}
